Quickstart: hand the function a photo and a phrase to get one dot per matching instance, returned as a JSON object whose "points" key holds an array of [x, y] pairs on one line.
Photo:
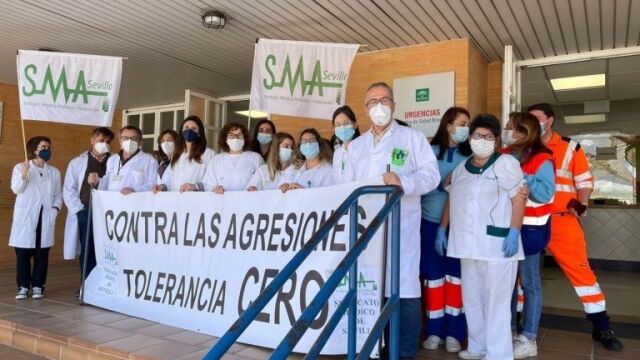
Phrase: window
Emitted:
{"points": [[153, 121], [612, 158]]}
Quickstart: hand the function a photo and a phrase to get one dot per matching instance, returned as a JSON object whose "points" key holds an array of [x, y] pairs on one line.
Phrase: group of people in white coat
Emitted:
{"points": [[479, 222]]}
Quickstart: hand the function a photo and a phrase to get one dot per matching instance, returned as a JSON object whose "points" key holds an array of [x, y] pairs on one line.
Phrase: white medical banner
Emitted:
{"points": [[197, 260], [68, 88], [422, 100], [298, 78]]}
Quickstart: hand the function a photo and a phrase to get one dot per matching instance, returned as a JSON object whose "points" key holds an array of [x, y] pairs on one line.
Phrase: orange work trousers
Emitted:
{"points": [[569, 249]]}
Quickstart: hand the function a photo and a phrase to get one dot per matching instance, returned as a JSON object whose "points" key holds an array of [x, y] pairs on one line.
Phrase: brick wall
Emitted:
{"points": [[67, 142], [385, 65], [494, 88]]}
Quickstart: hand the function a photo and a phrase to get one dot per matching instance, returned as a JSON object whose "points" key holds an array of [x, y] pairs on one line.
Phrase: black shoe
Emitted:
{"points": [[608, 339]]}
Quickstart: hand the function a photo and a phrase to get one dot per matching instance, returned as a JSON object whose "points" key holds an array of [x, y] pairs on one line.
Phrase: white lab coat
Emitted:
{"points": [[340, 164], [139, 173], [33, 193], [73, 180], [319, 176], [262, 180], [185, 171], [478, 201], [419, 175], [233, 171]]}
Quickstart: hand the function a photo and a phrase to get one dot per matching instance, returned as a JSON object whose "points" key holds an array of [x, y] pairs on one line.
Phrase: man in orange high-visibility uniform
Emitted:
{"points": [[574, 184]]}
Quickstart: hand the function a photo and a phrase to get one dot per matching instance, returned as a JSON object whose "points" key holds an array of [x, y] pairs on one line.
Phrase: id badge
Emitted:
{"points": [[116, 178]]}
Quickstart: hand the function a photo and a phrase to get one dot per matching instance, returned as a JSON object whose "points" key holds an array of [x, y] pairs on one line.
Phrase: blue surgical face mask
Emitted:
{"points": [[190, 135], [310, 150], [264, 138], [345, 133], [285, 154], [461, 134], [44, 154]]}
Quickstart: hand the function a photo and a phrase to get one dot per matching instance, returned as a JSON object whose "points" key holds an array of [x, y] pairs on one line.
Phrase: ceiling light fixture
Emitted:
{"points": [[213, 19], [578, 82]]}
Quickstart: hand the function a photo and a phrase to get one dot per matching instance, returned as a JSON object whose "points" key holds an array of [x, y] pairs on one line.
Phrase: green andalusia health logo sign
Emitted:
{"points": [[49, 85], [422, 94], [320, 79]]}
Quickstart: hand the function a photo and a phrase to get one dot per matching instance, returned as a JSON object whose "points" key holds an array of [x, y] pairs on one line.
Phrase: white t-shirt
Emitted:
{"points": [[233, 171], [262, 181], [318, 176], [186, 171]]}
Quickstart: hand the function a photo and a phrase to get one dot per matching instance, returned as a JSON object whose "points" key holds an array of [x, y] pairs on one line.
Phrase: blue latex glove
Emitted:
{"points": [[441, 241], [510, 244]]}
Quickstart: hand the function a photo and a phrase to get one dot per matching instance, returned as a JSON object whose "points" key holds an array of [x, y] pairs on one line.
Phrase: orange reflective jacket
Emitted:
{"points": [[572, 170]]}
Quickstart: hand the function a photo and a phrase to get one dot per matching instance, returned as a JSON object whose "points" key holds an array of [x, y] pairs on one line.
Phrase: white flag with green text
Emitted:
{"points": [[68, 88], [299, 78]]}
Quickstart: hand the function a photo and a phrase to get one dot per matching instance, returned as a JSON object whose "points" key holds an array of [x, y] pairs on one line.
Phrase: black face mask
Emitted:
{"points": [[44, 154]]}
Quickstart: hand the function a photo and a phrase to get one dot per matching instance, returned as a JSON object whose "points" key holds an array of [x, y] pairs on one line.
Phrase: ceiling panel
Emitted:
{"points": [[577, 69], [581, 95]]}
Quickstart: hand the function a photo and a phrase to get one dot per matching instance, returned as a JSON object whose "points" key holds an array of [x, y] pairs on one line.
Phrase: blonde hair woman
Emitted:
{"points": [[278, 168]]}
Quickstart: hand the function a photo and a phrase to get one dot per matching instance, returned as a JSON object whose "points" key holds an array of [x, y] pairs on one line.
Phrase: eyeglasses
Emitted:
{"points": [[125, 138], [477, 136], [235, 136], [386, 101], [308, 141]]}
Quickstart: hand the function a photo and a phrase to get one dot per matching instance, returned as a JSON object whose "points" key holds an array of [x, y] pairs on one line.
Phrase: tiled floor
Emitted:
{"points": [[58, 319]]}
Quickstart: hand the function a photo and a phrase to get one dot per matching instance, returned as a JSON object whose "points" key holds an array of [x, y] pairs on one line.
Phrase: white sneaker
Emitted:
{"points": [[37, 293], [432, 342], [464, 354], [452, 345], [524, 348], [22, 293]]}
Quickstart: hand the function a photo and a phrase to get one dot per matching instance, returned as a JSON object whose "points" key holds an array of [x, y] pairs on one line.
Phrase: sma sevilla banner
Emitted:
{"points": [[197, 260], [297, 78], [422, 100], [68, 88]]}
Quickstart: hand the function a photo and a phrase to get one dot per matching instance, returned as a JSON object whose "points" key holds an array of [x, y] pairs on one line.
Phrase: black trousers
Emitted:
{"points": [[32, 276]]}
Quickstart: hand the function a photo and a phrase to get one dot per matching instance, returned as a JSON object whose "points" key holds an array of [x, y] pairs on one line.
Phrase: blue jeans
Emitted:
{"points": [[529, 274], [410, 323]]}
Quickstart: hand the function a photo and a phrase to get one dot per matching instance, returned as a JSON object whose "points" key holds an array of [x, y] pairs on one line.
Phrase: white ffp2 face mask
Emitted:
{"points": [[102, 147], [168, 147], [129, 146], [235, 144], [380, 114], [482, 148]]}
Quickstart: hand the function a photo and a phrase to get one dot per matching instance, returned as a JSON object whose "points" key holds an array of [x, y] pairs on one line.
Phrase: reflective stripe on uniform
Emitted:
{"points": [[452, 310], [453, 280], [564, 173], [588, 290], [435, 283], [565, 188], [584, 185], [594, 307], [582, 177], [568, 155], [434, 314]]}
